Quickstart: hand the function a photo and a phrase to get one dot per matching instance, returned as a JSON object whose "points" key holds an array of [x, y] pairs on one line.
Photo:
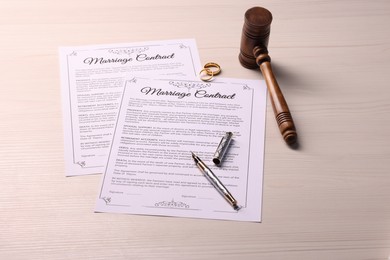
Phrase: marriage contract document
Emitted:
{"points": [[150, 169], [92, 80]]}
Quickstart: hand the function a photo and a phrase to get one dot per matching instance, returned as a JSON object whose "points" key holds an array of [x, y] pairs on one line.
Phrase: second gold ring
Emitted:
{"points": [[206, 74]]}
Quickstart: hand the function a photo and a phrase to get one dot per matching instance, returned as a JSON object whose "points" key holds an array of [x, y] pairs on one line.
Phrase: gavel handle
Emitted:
{"points": [[279, 104]]}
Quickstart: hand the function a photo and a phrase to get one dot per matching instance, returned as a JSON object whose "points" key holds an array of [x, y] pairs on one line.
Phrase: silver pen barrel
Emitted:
{"points": [[213, 179], [220, 187]]}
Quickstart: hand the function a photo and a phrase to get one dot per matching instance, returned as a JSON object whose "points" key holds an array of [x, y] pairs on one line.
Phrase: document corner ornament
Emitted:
{"points": [[133, 80], [82, 164], [107, 200], [246, 87]]}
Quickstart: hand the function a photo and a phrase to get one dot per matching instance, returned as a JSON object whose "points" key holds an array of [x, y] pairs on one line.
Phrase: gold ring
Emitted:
{"points": [[208, 72], [215, 71]]}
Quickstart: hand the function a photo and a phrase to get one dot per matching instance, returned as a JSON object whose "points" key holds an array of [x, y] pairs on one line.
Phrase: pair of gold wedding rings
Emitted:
{"points": [[209, 70]]}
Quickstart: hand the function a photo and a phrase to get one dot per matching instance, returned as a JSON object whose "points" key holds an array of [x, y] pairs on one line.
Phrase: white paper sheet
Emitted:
{"points": [[150, 169], [92, 83]]}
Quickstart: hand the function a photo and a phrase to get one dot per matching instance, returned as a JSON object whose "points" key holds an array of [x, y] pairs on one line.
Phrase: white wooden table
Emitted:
{"points": [[328, 199]]}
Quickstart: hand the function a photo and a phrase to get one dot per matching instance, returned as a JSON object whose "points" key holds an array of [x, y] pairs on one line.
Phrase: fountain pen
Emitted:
{"points": [[213, 179]]}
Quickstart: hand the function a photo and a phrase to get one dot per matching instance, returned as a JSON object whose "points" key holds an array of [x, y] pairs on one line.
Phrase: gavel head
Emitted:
{"points": [[255, 32]]}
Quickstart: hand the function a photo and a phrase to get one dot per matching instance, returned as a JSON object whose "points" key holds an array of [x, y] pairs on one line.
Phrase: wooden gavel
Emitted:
{"points": [[253, 54]]}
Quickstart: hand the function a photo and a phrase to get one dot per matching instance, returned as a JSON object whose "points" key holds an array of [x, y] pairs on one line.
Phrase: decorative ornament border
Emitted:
{"points": [[172, 204], [189, 85], [127, 51]]}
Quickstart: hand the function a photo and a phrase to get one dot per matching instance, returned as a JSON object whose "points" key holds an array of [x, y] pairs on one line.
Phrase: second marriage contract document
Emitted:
{"points": [[150, 169], [92, 80]]}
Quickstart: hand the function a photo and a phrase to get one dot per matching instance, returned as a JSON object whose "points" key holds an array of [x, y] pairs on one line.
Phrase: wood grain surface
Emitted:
{"points": [[326, 199]]}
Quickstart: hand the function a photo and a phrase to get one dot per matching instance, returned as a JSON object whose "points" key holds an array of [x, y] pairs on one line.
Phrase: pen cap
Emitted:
{"points": [[222, 148]]}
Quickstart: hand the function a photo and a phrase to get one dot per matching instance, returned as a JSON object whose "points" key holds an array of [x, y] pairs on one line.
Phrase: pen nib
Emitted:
{"points": [[196, 158], [236, 207]]}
